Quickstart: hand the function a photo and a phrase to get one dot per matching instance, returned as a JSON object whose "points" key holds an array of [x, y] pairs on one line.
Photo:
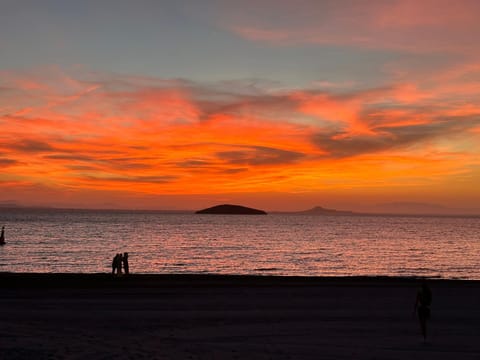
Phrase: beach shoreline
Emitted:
{"points": [[100, 316], [9, 279]]}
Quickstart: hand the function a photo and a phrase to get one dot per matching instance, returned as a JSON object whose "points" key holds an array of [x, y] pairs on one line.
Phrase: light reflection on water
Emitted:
{"points": [[85, 241]]}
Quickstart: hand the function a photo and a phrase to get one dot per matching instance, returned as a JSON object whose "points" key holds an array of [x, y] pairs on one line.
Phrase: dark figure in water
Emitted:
{"points": [[125, 263], [2, 236], [422, 307]]}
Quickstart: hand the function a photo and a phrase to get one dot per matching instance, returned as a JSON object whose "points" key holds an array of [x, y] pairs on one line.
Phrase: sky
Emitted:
{"points": [[280, 105]]}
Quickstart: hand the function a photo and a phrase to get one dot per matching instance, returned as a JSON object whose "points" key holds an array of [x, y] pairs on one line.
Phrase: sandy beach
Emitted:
{"points": [[96, 316]]}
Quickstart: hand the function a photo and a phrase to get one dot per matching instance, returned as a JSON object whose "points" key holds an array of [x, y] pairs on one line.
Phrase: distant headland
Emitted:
{"points": [[231, 209], [318, 210]]}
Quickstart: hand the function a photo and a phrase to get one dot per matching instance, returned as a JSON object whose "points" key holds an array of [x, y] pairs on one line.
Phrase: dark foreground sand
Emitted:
{"points": [[215, 317]]}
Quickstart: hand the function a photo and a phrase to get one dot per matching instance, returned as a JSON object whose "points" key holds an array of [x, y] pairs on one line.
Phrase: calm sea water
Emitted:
{"points": [[86, 241]]}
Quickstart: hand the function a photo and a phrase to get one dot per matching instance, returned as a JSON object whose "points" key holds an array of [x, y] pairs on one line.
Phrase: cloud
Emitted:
{"points": [[70, 157], [260, 156], [194, 163], [406, 25], [30, 146], [222, 137], [390, 136], [134, 179], [7, 162]]}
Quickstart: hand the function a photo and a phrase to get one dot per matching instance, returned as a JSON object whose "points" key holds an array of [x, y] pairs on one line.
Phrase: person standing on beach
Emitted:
{"points": [[119, 264], [422, 307], [125, 263], [2, 236], [114, 264]]}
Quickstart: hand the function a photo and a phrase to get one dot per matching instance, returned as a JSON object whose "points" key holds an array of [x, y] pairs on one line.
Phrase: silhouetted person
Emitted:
{"points": [[114, 264], [422, 307], [125, 263], [2, 236], [119, 264]]}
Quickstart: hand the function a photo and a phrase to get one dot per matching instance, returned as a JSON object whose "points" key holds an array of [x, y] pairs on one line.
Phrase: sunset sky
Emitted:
{"points": [[281, 105]]}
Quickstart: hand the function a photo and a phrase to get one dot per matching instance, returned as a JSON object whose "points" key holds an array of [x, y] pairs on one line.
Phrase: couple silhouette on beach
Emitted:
{"points": [[120, 261]]}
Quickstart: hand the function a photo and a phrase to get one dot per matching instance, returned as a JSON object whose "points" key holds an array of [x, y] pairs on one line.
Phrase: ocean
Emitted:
{"points": [[85, 241]]}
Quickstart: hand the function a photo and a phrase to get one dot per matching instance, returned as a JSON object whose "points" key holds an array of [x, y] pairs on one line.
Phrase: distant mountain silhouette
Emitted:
{"points": [[318, 210], [231, 209]]}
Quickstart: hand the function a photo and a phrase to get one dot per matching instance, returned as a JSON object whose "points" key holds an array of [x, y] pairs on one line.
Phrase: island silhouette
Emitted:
{"points": [[231, 210]]}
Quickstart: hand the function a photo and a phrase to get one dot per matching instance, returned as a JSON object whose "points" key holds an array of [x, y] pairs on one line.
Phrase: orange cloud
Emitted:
{"points": [[122, 135]]}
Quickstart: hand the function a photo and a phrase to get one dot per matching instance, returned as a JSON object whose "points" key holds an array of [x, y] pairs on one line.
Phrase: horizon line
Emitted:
{"points": [[278, 212]]}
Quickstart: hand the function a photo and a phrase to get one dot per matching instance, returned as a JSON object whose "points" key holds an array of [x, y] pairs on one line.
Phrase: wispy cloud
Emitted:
{"points": [[405, 25], [259, 155], [7, 162]]}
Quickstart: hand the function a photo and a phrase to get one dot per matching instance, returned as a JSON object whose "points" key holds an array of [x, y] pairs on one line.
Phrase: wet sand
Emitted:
{"points": [[96, 316]]}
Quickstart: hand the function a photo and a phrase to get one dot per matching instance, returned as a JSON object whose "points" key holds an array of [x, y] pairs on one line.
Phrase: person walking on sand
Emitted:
{"points": [[125, 263], [2, 236], [422, 307]]}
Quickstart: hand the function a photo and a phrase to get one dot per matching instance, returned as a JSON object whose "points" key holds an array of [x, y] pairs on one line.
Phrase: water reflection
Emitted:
{"points": [[274, 244]]}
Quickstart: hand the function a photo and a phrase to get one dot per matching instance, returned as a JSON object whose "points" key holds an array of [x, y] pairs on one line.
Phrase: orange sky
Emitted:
{"points": [[75, 136]]}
